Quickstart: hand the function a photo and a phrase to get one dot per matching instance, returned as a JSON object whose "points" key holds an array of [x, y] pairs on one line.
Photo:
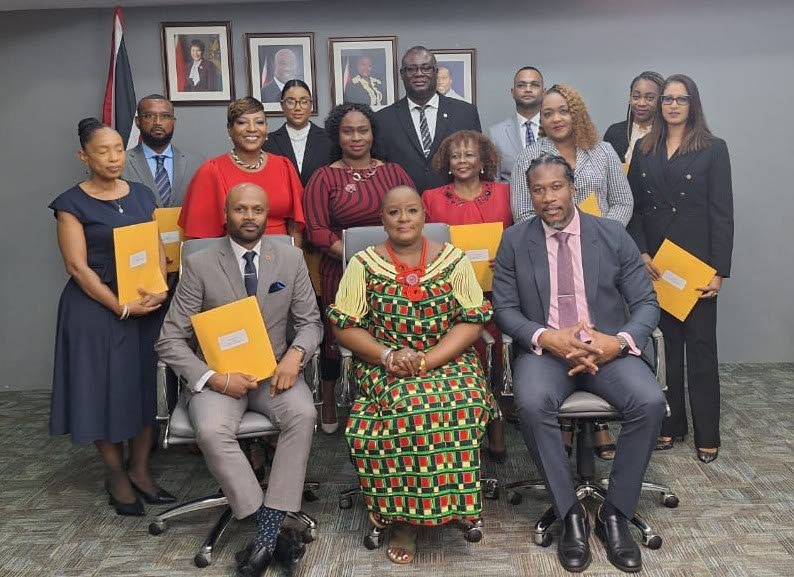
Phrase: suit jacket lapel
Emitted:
{"points": [[443, 122], [404, 116], [281, 136], [180, 170], [308, 154], [140, 167], [231, 269], [591, 252], [266, 277], [679, 170], [539, 257], [513, 130]]}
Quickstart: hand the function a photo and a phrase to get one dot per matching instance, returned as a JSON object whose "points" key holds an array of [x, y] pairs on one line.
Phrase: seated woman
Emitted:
{"points": [[410, 310]]}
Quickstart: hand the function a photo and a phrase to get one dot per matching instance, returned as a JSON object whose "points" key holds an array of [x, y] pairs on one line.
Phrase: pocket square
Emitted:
{"points": [[276, 286]]}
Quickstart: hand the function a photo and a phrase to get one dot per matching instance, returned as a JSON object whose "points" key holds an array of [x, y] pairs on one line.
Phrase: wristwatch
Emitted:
{"points": [[302, 351], [624, 346]]}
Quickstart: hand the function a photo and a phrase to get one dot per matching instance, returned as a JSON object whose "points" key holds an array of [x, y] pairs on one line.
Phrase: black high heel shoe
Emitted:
{"points": [[668, 442], [161, 497], [707, 456], [134, 509]]}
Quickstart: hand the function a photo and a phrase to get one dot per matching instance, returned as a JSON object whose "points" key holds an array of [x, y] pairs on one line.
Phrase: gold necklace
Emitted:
{"points": [[255, 166]]}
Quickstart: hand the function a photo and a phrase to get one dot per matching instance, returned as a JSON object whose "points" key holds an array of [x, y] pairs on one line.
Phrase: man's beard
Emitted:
{"points": [[154, 142]]}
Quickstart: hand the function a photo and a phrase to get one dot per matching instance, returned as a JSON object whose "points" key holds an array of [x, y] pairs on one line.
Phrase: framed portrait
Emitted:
{"points": [[273, 59], [364, 70], [197, 62], [457, 73]]}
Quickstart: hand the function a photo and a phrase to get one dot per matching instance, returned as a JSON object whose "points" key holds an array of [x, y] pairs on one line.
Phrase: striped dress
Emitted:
{"points": [[330, 208], [415, 441]]}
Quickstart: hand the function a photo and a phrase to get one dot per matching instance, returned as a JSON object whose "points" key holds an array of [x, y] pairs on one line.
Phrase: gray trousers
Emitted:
{"points": [[541, 386], [216, 419]]}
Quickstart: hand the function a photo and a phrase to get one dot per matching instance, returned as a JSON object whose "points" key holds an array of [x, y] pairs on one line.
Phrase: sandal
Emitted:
{"points": [[607, 450], [402, 544]]}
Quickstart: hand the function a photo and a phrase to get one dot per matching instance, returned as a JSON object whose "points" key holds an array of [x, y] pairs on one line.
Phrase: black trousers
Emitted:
{"points": [[696, 338]]}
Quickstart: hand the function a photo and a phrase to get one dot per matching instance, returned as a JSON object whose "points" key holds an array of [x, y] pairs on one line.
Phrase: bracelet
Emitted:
{"points": [[422, 365], [384, 356], [125, 313], [226, 386]]}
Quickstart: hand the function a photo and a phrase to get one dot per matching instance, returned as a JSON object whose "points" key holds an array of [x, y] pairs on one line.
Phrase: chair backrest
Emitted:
{"points": [[358, 238], [198, 244]]}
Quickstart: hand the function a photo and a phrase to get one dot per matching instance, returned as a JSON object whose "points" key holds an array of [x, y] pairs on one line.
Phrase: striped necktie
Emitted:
{"points": [[427, 141], [568, 314], [530, 134], [161, 180], [249, 276]]}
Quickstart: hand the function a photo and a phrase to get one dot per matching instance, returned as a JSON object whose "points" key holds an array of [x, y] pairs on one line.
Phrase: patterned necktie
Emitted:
{"points": [[530, 134], [250, 273], [161, 180], [566, 289], [427, 141]]}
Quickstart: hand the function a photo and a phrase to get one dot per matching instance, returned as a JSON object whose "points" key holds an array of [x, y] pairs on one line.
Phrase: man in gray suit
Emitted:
{"points": [[155, 162], [556, 278], [245, 263], [513, 135]]}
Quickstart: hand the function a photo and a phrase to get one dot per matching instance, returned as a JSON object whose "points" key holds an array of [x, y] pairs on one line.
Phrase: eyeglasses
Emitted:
{"points": [[524, 85], [679, 100], [424, 69], [156, 116], [292, 102]]}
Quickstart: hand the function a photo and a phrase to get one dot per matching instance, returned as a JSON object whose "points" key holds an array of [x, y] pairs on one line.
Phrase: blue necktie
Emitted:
{"points": [[249, 275], [161, 180], [530, 134]]}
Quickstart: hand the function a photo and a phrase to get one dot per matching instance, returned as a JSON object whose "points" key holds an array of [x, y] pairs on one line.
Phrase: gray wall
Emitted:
{"points": [[54, 67]]}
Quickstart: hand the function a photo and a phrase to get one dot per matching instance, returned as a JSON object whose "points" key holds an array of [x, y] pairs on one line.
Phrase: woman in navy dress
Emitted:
{"points": [[104, 389]]}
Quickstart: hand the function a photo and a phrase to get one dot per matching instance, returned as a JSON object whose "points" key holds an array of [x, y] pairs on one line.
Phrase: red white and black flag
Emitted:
{"points": [[119, 108]]}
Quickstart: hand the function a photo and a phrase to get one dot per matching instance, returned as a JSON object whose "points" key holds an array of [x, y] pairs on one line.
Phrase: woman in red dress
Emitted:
{"points": [[471, 162], [345, 194], [202, 213]]}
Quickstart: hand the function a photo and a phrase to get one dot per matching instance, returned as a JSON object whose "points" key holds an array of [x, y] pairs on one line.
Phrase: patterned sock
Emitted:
{"points": [[268, 524]]}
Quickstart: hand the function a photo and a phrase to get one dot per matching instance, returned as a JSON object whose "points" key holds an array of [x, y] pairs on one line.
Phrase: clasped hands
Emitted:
{"points": [[583, 357], [405, 362]]}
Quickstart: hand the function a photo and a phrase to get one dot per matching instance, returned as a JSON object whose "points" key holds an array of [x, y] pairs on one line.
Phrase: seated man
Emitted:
{"points": [[556, 278], [246, 263]]}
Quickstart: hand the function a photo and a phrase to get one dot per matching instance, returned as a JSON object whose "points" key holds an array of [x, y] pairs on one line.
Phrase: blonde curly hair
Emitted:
{"points": [[585, 134]]}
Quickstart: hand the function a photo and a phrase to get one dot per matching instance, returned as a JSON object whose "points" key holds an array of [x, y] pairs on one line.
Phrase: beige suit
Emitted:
{"points": [[211, 278]]}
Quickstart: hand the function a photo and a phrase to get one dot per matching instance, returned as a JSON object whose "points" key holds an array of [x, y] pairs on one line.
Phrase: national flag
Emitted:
{"points": [[119, 107], [181, 68], [346, 77], [265, 76]]}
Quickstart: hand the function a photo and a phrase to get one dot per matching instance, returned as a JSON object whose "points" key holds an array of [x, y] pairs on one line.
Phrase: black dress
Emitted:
{"points": [[104, 384]]}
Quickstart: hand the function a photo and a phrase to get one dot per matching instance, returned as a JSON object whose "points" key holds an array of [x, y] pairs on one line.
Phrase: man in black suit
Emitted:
{"points": [[412, 128]]}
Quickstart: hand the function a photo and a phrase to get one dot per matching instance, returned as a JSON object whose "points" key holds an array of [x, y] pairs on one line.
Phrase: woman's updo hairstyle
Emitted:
{"points": [[86, 129]]}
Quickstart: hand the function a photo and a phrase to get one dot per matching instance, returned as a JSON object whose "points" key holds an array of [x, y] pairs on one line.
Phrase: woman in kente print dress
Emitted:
{"points": [[410, 310]]}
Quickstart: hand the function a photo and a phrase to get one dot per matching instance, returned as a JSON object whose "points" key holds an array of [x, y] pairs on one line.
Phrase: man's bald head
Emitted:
{"points": [[246, 213]]}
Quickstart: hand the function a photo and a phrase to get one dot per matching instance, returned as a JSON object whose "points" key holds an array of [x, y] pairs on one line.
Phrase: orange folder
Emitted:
{"points": [[171, 234], [233, 339], [137, 249], [590, 205], [681, 274], [479, 242]]}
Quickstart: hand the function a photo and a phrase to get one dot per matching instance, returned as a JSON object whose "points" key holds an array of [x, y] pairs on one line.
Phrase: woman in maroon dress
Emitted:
{"points": [[347, 193], [471, 163]]}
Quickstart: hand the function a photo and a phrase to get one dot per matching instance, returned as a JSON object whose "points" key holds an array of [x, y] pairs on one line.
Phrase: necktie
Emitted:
{"points": [[566, 289], [161, 180], [427, 142], [530, 134], [249, 275]]}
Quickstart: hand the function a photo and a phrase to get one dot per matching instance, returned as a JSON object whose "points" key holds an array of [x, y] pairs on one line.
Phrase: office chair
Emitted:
{"points": [[583, 408], [176, 429]]}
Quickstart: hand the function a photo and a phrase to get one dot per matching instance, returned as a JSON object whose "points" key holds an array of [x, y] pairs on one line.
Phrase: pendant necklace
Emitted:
{"points": [[410, 277], [358, 175]]}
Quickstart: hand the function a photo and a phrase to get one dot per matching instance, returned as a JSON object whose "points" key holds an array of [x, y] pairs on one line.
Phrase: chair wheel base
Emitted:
{"points": [[652, 541], [490, 488], [514, 497], [157, 527], [373, 540], [202, 560], [309, 534], [542, 539], [669, 500]]}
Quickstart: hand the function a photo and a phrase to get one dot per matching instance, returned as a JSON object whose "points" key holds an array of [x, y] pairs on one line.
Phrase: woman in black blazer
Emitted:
{"points": [[643, 95], [680, 175], [303, 142]]}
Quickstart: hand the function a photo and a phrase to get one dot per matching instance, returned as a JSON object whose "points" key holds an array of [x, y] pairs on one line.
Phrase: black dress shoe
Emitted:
{"points": [[161, 497], [134, 509], [252, 561], [622, 550], [573, 550], [290, 547], [708, 456]]}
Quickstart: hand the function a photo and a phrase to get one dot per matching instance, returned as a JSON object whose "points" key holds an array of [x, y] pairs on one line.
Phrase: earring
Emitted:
{"points": [[450, 172], [482, 171]]}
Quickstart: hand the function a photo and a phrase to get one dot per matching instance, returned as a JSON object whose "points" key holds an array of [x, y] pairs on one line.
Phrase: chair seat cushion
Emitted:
{"points": [[585, 405], [180, 430]]}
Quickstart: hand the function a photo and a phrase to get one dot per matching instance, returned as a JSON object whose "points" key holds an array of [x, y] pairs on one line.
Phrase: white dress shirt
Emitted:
{"points": [[534, 124], [239, 251], [194, 72], [298, 138], [431, 113]]}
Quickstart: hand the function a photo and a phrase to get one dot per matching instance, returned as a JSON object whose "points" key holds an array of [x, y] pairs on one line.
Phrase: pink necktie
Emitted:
{"points": [[566, 288]]}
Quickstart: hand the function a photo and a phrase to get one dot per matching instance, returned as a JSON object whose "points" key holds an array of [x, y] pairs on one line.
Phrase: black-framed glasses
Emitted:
{"points": [[412, 69], [679, 100], [293, 102], [524, 85], [156, 116]]}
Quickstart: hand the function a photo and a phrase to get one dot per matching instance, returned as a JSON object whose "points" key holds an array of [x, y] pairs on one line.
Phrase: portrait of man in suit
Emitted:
{"points": [[572, 291], [364, 87], [446, 84], [201, 73], [284, 65]]}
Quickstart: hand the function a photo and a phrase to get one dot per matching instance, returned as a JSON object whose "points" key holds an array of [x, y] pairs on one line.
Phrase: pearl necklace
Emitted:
{"points": [[255, 166]]}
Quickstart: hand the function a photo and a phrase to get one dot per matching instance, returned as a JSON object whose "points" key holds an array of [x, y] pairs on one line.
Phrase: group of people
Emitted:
{"points": [[572, 290]]}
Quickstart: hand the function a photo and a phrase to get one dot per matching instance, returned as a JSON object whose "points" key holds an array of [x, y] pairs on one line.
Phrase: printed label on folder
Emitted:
{"points": [[671, 278], [232, 340], [138, 259], [477, 254], [170, 237]]}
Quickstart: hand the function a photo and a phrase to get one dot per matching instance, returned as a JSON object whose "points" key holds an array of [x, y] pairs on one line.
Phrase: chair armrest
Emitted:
{"points": [[347, 394], [489, 341], [162, 393], [659, 357], [311, 373], [507, 365]]}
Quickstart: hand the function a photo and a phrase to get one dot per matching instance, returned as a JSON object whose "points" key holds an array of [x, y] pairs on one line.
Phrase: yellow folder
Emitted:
{"points": [[170, 234], [479, 242], [681, 274], [137, 249], [233, 339], [590, 205]]}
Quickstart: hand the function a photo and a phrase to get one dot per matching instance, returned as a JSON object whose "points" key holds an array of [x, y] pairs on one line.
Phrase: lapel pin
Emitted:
{"points": [[267, 257], [445, 115], [689, 177]]}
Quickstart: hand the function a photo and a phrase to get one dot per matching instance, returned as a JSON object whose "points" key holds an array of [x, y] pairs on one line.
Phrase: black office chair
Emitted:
{"points": [[583, 409], [176, 429]]}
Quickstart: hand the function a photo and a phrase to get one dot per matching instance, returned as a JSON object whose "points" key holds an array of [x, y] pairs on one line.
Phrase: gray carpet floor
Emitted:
{"points": [[736, 516]]}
